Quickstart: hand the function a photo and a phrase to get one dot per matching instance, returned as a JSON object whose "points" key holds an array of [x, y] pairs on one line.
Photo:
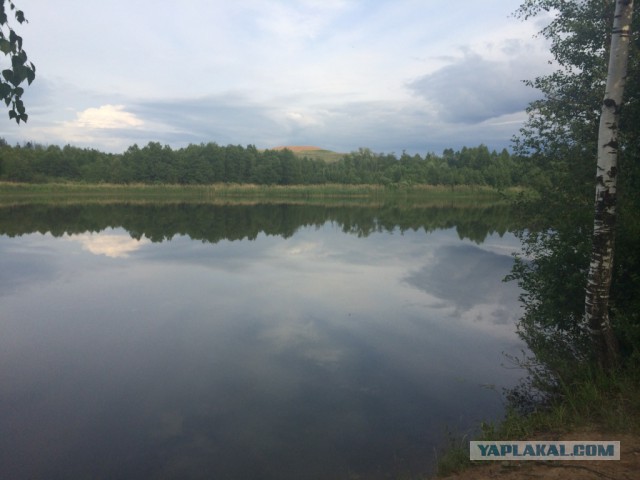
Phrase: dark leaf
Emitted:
{"points": [[18, 60], [8, 75], [5, 46], [5, 90], [22, 56], [20, 74], [15, 39], [31, 75]]}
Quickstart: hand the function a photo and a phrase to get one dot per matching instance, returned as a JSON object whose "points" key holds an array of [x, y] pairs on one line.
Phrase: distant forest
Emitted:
{"points": [[211, 163]]}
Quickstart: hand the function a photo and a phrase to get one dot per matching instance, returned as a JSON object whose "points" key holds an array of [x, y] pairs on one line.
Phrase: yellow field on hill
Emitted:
{"points": [[315, 153]]}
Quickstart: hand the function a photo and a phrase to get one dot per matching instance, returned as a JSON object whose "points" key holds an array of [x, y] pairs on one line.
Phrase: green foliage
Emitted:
{"points": [[559, 144], [453, 457], [20, 68], [591, 398], [211, 163], [566, 389], [552, 275]]}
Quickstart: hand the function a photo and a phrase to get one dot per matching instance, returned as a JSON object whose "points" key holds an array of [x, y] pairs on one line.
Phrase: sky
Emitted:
{"points": [[396, 75]]}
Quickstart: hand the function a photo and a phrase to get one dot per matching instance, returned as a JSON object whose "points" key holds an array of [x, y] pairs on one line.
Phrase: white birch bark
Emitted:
{"points": [[601, 266]]}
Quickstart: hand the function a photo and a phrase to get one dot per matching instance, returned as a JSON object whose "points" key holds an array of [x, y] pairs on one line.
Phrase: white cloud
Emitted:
{"points": [[110, 245], [302, 119], [306, 249], [107, 127], [100, 127], [106, 116]]}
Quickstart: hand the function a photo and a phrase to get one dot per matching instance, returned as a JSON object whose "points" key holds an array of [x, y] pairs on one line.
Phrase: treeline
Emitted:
{"points": [[211, 163]]}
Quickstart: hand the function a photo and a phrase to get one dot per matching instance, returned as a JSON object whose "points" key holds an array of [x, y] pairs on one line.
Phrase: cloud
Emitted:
{"points": [[332, 73], [223, 118], [303, 119], [110, 245], [105, 117], [335, 124], [469, 279], [460, 275], [301, 22], [108, 126], [306, 338], [474, 89]]}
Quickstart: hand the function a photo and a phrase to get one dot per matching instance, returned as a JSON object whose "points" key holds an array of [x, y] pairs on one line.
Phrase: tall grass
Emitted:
{"points": [[56, 192], [607, 402]]}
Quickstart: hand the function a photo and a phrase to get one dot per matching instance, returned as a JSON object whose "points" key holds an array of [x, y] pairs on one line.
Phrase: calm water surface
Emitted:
{"points": [[222, 343]]}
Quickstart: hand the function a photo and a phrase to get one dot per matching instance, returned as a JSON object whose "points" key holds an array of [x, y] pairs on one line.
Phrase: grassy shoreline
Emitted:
{"points": [[595, 402], [66, 192]]}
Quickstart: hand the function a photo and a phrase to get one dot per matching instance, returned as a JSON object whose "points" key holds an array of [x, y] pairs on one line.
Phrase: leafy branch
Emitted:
{"points": [[21, 69]]}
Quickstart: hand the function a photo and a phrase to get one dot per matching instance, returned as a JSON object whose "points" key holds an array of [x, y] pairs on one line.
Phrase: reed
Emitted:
{"points": [[61, 191]]}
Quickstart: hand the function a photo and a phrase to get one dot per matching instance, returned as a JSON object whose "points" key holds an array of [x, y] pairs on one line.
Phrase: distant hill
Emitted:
{"points": [[312, 152], [297, 148]]}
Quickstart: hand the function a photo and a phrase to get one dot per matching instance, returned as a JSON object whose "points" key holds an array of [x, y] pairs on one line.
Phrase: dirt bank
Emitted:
{"points": [[628, 468]]}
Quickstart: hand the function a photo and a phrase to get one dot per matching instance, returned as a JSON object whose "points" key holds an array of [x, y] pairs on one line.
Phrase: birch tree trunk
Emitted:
{"points": [[600, 270]]}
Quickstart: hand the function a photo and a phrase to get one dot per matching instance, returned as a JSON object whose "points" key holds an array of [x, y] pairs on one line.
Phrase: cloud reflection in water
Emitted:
{"points": [[113, 245]]}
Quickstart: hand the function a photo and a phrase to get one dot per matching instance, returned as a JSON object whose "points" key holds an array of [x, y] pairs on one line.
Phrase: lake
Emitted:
{"points": [[205, 341]]}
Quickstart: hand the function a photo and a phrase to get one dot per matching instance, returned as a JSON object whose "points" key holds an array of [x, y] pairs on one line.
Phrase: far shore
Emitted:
{"points": [[224, 190]]}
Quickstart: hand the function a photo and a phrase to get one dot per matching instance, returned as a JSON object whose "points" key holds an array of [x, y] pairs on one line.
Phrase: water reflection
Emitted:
{"points": [[213, 223], [469, 280], [108, 244], [305, 354]]}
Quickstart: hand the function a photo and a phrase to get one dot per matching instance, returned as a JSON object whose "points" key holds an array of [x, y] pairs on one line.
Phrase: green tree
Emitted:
{"points": [[289, 168], [268, 170], [20, 69], [559, 143], [601, 266]]}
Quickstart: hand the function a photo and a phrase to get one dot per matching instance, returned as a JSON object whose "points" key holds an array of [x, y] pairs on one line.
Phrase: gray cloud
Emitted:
{"points": [[466, 276], [235, 118], [383, 126], [230, 118], [474, 89]]}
